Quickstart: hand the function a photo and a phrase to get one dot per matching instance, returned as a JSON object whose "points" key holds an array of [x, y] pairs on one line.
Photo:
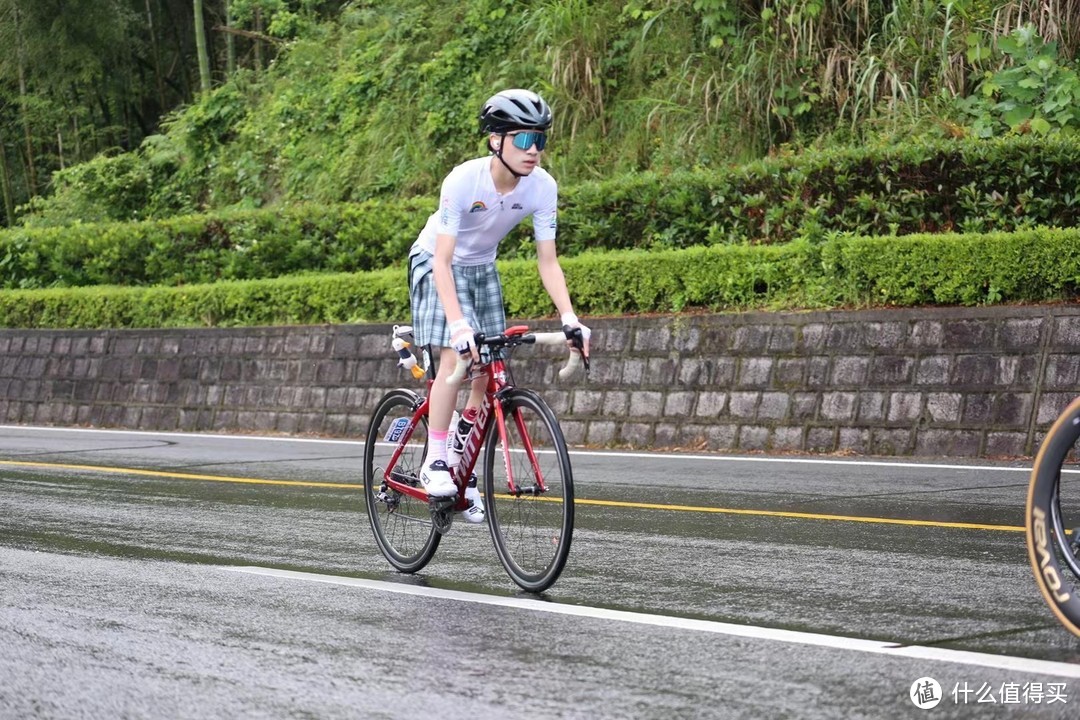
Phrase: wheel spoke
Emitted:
{"points": [[401, 523], [531, 523]]}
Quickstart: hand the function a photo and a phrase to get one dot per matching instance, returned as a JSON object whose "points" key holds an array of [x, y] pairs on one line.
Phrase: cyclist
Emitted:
{"points": [[454, 287]]}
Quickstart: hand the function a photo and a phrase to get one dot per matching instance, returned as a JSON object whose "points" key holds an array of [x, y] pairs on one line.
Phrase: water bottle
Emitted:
{"points": [[460, 426]]}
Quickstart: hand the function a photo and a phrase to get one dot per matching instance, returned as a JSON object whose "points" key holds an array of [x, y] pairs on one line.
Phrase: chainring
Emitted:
{"points": [[442, 513]]}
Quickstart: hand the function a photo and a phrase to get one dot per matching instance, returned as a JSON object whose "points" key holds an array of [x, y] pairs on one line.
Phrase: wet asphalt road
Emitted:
{"points": [[120, 595]]}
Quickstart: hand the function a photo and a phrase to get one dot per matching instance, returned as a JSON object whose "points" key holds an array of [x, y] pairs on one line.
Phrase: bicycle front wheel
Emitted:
{"points": [[401, 523], [1052, 518], [529, 491]]}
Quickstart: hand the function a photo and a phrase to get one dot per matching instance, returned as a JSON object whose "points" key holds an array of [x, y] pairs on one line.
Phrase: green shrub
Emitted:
{"points": [[943, 186], [1035, 92], [1026, 266], [939, 186], [236, 245]]}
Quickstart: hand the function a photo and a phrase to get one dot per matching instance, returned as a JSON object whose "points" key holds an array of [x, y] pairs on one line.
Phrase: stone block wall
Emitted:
{"points": [[936, 381]]}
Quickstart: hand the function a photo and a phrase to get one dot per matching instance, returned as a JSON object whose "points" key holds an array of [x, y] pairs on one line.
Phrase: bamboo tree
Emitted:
{"points": [[5, 183], [155, 53], [75, 131], [200, 44], [230, 41], [258, 43], [24, 105]]}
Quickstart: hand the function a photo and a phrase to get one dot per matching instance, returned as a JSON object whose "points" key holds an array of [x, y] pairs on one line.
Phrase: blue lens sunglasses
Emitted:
{"points": [[525, 140]]}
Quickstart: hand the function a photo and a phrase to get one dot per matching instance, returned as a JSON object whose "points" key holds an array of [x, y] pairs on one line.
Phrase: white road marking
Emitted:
{"points": [[912, 652], [208, 436], [573, 452]]}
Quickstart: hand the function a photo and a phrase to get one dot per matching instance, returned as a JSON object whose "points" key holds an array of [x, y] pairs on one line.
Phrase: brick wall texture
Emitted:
{"points": [[931, 382]]}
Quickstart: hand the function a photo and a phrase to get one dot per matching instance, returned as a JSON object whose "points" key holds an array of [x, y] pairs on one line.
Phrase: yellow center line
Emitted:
{"points": [[577, 501], [181, 476], [801, 516]]}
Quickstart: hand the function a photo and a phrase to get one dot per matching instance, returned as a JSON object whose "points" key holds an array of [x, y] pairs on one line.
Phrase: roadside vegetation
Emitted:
{"points": [[770, 142]]}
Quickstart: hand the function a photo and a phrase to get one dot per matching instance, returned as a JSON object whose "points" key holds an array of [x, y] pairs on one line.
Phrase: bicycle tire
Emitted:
{"points": [[1054, 555], [532, 534], [401, 524]]}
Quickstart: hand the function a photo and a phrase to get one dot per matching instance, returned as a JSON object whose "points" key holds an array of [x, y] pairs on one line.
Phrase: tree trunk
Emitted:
{"points": [[31, 171], [75, 130], [156, 53], [5, 185], [178, 70], [200, 44], [230, 41], [258, 43]]}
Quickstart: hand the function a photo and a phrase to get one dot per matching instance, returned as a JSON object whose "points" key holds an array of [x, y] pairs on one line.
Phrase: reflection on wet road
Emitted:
{"points": [[697, 586]]}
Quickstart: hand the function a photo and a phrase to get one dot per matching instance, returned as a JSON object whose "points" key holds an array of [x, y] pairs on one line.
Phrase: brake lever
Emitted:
{"points": [[577, 341]]}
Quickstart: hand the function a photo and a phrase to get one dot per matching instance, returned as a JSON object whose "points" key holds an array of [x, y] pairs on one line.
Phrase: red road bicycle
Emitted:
{"points": [[527, 482]]}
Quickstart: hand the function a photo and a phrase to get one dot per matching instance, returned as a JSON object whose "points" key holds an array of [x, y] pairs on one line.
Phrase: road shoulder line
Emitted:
{"points": [[916, 652]]}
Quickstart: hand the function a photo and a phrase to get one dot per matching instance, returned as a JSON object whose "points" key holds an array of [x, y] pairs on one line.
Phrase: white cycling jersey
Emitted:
{"points": [[479, 217]]}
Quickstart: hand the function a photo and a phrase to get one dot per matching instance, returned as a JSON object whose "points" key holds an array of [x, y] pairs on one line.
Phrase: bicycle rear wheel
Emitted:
{"points": [[401, 523], [1052, 518], [529, 492]]}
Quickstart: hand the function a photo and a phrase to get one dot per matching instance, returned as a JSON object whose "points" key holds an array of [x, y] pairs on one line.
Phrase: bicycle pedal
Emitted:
{"points": [[442, 504], [442, 513]]}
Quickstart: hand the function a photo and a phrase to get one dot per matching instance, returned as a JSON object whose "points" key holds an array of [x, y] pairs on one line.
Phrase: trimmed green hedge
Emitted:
{"points": [[968, 186], [311, 299], [233, 245], [928, 186], [1035, 265]]}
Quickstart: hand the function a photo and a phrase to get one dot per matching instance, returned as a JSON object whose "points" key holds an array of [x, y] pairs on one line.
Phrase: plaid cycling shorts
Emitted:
{"points": [[479, 291]]}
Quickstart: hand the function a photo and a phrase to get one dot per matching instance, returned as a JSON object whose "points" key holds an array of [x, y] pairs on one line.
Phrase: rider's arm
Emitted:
{"points": [[545, 225], [551, 275], [461, 333], [452, 199], [545, 228]]}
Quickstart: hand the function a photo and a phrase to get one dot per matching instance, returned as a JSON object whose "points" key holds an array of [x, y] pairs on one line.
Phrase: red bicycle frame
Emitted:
{"points": [[495, 371]]}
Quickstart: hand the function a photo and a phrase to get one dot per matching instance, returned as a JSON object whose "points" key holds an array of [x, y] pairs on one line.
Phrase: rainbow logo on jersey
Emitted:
{"points": [[478, 206]]}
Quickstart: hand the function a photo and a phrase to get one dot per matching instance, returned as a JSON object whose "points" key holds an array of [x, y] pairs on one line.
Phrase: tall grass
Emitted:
{"points": [[573, 37], [787, 70], [1055, 21], [385, 103]]}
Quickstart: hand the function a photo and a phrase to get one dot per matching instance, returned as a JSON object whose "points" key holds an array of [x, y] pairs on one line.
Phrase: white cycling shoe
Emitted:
{"points": [[475, 512], [437, 480]]}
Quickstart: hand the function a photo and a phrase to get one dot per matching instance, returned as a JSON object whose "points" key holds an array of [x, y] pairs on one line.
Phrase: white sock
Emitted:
{"points": [[436, 447]]}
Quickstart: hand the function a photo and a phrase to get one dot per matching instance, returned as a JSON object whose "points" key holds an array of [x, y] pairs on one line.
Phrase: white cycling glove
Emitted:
{"points": [[570, 320], [462, 337]]}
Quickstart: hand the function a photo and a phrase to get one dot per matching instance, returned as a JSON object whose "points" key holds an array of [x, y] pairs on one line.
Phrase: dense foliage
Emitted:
{"points": [[231, 245], [378, 99], [83, 78], [721, 154], [969, 185], [1032, 265]]}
